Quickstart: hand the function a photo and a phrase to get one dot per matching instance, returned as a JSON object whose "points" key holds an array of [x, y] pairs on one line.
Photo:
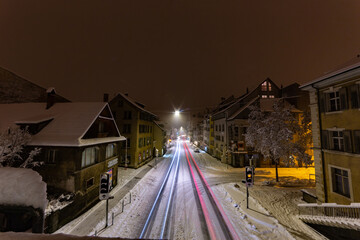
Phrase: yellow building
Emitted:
{"points": [[335, 113], [136, 124], [159, 140]]}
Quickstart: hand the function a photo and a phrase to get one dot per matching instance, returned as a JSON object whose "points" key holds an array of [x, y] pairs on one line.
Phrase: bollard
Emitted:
{"points": [[112, 220], [122, 209], [95, 233], [130, 197]]}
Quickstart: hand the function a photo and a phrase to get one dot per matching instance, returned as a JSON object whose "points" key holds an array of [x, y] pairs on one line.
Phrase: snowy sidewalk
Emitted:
{"points": [[272, 212], [127, 179]]}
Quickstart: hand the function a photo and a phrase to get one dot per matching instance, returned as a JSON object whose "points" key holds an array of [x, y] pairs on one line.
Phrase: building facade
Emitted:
{"points": [[137, 126], [334, 101], [79, 142]]}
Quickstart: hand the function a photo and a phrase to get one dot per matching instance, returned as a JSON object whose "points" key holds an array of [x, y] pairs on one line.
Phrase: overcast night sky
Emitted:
{"points": [[186, 53]]}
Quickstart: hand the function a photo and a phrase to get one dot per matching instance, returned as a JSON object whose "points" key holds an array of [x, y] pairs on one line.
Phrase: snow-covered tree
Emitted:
{"points": [[272, 134], [12, 154]]}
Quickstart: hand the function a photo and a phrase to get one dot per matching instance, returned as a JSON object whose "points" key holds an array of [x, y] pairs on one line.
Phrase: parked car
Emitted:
{"points": [[196, 150]]}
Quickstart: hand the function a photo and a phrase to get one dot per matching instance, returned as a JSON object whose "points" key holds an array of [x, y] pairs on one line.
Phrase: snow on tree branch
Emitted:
{"points": [[272, 134], [12, 152]]}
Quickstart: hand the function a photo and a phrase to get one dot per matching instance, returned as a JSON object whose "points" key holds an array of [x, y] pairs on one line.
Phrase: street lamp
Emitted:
{"points": [[177, 113]]}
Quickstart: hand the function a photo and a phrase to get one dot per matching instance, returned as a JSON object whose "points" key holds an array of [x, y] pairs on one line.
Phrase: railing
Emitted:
{"points": [[330, 210]]}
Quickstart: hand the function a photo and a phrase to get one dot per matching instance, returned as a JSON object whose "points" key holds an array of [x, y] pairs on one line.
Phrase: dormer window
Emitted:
{"points": [[33, 127], [264, 86], [269, 86]]}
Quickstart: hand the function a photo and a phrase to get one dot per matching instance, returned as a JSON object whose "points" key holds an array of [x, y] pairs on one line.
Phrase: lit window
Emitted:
{"points": [[110, 150], [269, 86], [340, 181], [263, 96], [264, 86], [271, 96], [89, 156]]}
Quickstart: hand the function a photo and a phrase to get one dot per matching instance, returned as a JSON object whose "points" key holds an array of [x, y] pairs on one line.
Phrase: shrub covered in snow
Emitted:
{"points": [[24, 187], [12, 143]]}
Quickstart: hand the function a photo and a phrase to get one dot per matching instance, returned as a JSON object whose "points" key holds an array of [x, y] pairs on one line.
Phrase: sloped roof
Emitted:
{"points": [[348, 67], [136, 104], [266, 105], [70, 122], [15, 89], [243, 108], [244, 96]]}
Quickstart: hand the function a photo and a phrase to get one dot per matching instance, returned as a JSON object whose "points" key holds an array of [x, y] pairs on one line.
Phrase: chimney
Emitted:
{"points": [[126, 94], [247, 90], [50, 97], [106, 97]]}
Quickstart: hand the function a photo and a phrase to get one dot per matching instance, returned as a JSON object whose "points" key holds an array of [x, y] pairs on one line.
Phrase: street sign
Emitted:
{"points": [[104, 186]]}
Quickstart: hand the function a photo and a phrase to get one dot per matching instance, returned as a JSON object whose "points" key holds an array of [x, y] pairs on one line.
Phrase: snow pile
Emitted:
{"points": [[59, 203], [22, 186]]}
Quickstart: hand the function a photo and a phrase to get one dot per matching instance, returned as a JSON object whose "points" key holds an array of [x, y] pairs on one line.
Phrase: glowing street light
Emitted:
{"points": [[177, 113]]}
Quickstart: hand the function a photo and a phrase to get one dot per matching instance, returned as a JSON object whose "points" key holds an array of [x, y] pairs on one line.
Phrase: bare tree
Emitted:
{"points": [[272, 134], [12, 152]]}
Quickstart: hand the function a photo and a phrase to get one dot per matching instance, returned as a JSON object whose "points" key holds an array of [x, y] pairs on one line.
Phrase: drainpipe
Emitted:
{"points": [[321, 144]]}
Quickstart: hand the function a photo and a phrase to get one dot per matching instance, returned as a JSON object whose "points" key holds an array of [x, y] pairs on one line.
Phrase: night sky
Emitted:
{"points": [[185, 53]]}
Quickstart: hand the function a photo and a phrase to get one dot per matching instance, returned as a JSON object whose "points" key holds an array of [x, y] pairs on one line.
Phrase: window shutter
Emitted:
{"points": [[347, 141], [343, 99], [354, 96], [322, 102], [325, 139], [356, 134]]}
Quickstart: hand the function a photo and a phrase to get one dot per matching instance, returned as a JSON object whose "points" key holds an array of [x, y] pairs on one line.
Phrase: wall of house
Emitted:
{"points": [[144, 151], [159, 138]]}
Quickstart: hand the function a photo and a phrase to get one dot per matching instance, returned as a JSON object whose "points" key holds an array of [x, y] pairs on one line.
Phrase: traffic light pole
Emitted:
{"points": [[247, 197], [107, 211]]}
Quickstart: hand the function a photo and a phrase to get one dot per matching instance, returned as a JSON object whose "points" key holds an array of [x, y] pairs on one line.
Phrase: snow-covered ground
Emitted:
{"points": [[272, 207], [271, 214]]}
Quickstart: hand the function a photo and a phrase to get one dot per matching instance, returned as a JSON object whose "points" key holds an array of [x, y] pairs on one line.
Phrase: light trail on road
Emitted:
{"points": [[218, 216]]}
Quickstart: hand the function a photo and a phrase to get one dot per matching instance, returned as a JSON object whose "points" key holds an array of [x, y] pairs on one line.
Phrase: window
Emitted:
{"points": [[236, 131], [140, 142], [264, 86], [89, 156], [216, 127], [126, 128], [101, 127], [269, 86], [263, 96], [356, 134], [222, 128], [354, 96], [111, 150], [127, 114], [222, 138], [51, 156], [334, 100], [340, 181], [337, 140], [271, 96], [90, 183]]}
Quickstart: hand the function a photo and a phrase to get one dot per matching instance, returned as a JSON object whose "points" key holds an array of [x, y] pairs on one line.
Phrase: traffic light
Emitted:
{"points": [[104, 186], [249, 176]]}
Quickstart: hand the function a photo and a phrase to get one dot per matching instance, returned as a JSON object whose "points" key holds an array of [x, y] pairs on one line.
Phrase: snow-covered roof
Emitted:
{"points": [[266, 104], [69, 122], [22, 186], [136, 104], [355, 65], [243, 108]]}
